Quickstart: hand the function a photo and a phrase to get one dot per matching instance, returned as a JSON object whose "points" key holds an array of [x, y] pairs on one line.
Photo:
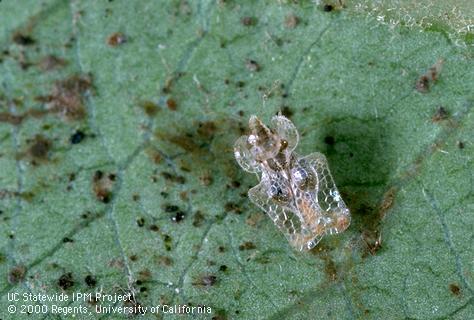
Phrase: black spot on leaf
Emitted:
{"points": [[140, 222], [171, 208], [66, 281], [223, 268], [23, 39], [90, 281], [440, 114], [178, 216], [328, 7], [329, 140], [77, 137]]}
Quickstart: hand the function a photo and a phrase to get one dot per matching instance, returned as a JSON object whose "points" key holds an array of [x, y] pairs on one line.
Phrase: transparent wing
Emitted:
{"points": [[243, 155], [334, 214], [286, 130], [273, 201]]}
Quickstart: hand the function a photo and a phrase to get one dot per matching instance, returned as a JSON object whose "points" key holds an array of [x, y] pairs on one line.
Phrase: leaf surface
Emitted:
{"points": [[117, 121]]}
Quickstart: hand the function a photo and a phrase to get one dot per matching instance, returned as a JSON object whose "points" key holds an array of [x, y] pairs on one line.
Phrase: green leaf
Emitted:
{"points": [[117, 121]]}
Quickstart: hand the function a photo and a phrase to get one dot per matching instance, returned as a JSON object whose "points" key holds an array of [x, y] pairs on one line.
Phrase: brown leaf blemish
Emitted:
{"points": [[11, 118], [431, 76], [252, 65], [51, 62], [206, 179], [422, 84], [154, 228], [116, 39], [260, 258], [150, 108], [370, 240], [184, 8], [373, 241], [387, 202], [173, 178], [164, 260], [17, 274], [253, 219], [102, 185], [185, 168], [154, 155], [248, 245], [249, 21], [169, 83], [206, 129], [234, 184], [117, 263], [185, 141], [198, 219], [291, 21], [433, 72], [330, 268], [144, 275], [440, 114], [171, 104], [28, 196], [40, 148], [183, 195], [232, 207], [67, 97], [167, 241], [16, 119], [206, 281], [455, 289]]}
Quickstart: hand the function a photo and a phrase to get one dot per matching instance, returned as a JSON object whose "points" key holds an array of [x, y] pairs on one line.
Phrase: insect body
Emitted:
{"points": [[297, 192]]}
